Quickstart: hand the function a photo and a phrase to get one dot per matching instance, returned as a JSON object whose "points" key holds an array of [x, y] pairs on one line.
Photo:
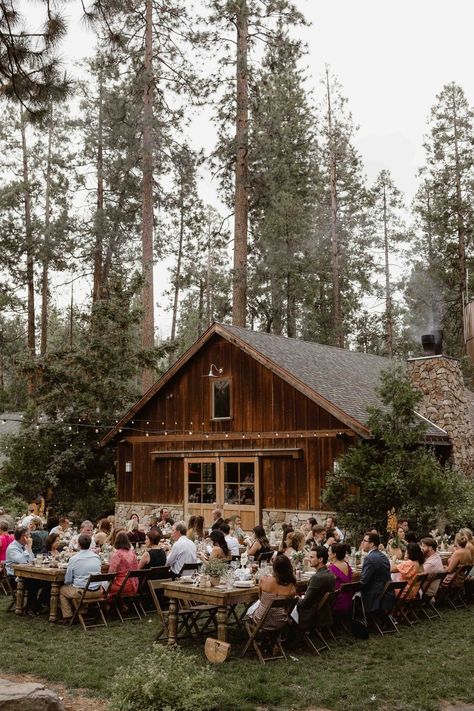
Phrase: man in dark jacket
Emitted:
{"points": [[321, 583], [375, 574]]}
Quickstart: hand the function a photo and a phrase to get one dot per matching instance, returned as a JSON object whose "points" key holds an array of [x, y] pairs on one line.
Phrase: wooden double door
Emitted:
{"points": [[225, 483]]}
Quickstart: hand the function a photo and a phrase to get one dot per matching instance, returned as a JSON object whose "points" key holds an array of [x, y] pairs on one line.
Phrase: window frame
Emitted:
{"points": [[212, 384]]}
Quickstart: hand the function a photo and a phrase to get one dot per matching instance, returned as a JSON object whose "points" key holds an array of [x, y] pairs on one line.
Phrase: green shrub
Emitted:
{"points": [[165, 679]]}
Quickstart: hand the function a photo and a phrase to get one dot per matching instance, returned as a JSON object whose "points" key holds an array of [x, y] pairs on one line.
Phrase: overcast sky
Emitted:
{"points": [[391, 58]]}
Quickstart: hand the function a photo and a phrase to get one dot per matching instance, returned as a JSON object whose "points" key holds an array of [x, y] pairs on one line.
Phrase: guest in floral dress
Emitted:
{"points": [[343, 574], [408, 569], [122, 561]]}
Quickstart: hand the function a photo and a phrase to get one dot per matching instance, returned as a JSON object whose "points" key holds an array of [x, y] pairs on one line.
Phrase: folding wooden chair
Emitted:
{"points": [[144, 600], [351, 588], [5, 586], [383, 619], [407, 605], [428, 603], [83, 604], [264, 557], [130, 600], [456, 597], [189, 567], [318, 630], [185, 615], [266, 641]]}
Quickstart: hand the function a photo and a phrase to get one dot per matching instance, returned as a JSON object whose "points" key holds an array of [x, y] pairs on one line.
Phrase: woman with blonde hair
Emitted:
{"points": [[461, 556], [294, 543], [470, 541]]}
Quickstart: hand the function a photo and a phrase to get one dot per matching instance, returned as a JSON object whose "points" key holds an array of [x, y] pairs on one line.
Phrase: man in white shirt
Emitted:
{"points": [[87, 528], [63, 525], [433, 563], [80, 567], [232, 542], [183, 550]]}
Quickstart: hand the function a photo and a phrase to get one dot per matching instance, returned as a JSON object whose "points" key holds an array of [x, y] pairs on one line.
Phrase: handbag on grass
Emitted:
{"points": [[216, 651]]}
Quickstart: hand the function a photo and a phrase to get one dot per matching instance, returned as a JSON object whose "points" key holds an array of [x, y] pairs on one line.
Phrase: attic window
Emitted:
{"points": [[221, 399]]}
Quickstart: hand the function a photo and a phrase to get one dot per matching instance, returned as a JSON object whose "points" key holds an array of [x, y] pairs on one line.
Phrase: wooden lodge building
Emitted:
{"points": [[248, 422]]}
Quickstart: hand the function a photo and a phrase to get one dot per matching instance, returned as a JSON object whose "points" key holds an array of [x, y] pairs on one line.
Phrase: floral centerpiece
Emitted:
{"points": [[214, 568]]}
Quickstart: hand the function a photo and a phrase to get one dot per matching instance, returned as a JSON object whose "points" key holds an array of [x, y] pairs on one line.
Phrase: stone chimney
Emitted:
{"points": [[439, 379]]}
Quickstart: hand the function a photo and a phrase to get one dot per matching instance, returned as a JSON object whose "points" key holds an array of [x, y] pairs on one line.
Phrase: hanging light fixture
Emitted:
{"points": [[216, 372]]}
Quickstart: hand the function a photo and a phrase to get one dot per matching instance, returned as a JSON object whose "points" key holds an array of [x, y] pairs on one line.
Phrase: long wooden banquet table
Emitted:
{"points": [[219, 596], [55, 576]]}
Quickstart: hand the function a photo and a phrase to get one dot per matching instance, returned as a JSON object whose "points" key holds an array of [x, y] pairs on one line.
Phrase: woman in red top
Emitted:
{"points": [[5, 540], [122, 561]]}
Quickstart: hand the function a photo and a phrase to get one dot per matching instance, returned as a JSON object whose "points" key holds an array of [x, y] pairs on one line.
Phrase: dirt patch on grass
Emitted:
{"points": [[77, 700]]}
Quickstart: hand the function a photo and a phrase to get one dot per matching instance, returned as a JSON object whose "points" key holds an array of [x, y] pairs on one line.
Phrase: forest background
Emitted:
{"points": [[102, 186]]}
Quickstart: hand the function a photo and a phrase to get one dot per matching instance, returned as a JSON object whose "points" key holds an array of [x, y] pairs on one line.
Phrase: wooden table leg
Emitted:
{"points": [[53, 603], [172, 621], [222, 624], [20, 596]]}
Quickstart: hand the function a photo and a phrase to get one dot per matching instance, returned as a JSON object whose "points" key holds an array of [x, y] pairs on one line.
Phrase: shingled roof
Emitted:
{"points": [[346, 381]]}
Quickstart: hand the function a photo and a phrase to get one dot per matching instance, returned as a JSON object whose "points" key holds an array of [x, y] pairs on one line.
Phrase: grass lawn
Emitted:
{"points": [[414, 671]]}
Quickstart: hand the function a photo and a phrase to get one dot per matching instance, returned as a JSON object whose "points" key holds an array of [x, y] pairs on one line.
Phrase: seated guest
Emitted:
{"points": [[5, 540], [122, 560], [38, 536], [238, 530], [115, 533], [410, 537], [63, 526], [190, 531], [52, 545], [232, 542], [259, 544], [105, 527], [278, 586], [461, 556], [332, 536], [331, 523], [318, 536], [183, 550], [342, 571], [196, 530], [219, 549], [154, 556], [133, 532], [294, 543], [165, 518], [19, 552], [152, 522], [432, 564], [80, 567], [322, 582], [87, 529], [216, 519], [397, 546], [307, 526], [375, 574], [470, 541], [286, 529], [408, 569]]}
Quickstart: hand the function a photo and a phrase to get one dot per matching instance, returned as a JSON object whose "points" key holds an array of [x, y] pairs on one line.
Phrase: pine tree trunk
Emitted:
{"points": [[209, 273], [388, 295], [276, 321], [338, 338], [46, 244], [177, 278], [148, 327], [435, 314], [459, 225], [239, 287], [97, 291], [30, 286], [200, 324]]}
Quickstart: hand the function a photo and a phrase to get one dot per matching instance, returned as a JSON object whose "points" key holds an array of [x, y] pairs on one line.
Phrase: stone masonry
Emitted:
{"points": [[440, 380], [125, 509]]}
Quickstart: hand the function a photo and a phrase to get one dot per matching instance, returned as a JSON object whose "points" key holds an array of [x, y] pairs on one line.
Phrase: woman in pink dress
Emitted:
{"points": [[343, 574], [5, 540], [122, 561]]}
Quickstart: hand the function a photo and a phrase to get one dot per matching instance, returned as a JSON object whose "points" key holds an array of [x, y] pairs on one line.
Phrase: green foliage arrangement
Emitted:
{"points": [[165, 680], [393, 469], [215, 567]]}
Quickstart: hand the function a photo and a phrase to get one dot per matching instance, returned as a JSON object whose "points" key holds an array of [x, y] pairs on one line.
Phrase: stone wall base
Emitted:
{"points": [[270, 517]]}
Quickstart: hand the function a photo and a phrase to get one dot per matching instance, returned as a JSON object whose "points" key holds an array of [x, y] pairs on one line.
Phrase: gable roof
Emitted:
{"points": [[343, 382]]}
